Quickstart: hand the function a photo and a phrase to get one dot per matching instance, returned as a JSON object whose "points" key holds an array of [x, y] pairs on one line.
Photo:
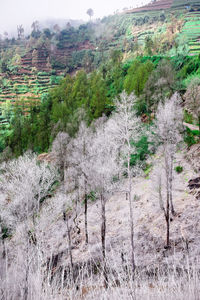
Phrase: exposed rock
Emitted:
{"points": [[194, 186]]}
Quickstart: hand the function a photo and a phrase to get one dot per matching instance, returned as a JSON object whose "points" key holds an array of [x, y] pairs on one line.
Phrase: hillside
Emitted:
{"points": [[149, 220], [100, 158], [153, 260]]}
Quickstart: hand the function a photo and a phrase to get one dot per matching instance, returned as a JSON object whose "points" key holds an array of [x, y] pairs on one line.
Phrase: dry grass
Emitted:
{"points": [[166, 284]]}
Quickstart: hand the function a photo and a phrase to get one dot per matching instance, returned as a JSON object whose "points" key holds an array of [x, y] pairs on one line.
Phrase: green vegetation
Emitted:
{"points": [[142, 151], [191, 137], [102, 98], [179, 169], [89, 96], [147, 53]]}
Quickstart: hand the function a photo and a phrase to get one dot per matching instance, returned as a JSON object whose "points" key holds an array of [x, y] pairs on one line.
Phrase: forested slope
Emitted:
{"points": [[31, 64]]}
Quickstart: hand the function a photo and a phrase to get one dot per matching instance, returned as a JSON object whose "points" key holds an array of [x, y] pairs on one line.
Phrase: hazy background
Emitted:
{"points": [[15, 12]]}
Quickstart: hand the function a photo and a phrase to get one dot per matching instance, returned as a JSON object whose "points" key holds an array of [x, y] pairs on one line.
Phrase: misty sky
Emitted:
{"points": [[14, 12]]}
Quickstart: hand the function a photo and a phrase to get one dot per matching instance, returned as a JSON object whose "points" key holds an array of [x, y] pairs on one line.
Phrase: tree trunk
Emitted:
{"points": [[86, 208], [167, 170], [131, 221], [199, 125], [167, 216], [26, 285], [170, 187], [26, 291], [132, 234], [65, 218], [168, 223], [103, 239], [3, 242]]}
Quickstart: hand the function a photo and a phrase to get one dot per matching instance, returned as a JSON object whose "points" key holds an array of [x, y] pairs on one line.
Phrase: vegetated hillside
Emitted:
{"points": [[166, 5], [110, 209], [32, 65], [160, 28], [154, 5], [43, 240]]}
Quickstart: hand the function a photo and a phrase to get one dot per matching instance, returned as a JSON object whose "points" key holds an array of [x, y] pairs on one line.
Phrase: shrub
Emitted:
{"points": [[179, 169], [5, 233], [42, 73], [92, 196], [142, 147], [188, 117], [147, 170], [189, 138]]}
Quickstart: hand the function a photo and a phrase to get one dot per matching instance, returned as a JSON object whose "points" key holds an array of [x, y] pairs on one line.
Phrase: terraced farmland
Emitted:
{"points": [[156, 5], [34, 75], [166, 5], [191, 31], [26, 89], [190, 10], [186, 3]]}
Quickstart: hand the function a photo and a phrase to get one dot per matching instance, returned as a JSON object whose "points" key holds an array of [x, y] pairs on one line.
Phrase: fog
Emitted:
{"points": [[15, 12]]}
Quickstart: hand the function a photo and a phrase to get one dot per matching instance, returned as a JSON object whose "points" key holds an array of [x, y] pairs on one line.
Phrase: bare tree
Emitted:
{"points": [[159, 185], [67, 217], [169, 120], [80, 159], [125, 128], [102, 166], [25, 183]]}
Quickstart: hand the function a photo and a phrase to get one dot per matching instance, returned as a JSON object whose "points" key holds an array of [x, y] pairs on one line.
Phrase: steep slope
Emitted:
{"points": [[150, 227], [150, 232]]}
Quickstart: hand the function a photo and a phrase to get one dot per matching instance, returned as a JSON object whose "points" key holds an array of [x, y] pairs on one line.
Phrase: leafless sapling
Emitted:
{"points": [[103, 167], [169, 123], [125, 128], [81, 156]]}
